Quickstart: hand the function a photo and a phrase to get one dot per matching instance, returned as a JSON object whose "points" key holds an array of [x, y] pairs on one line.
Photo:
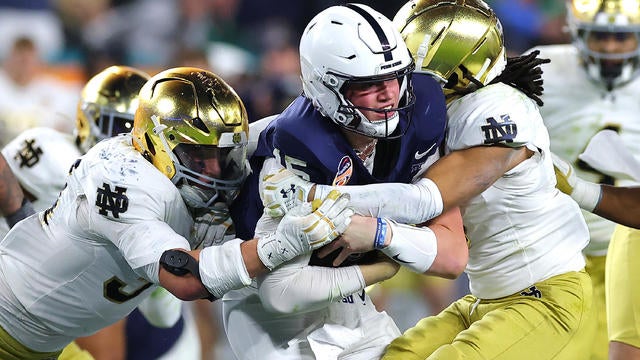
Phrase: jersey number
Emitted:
{"points": [[292, 164], [113, 290]]}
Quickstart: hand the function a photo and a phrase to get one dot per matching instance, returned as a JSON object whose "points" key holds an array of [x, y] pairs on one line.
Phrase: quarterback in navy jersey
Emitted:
{"points": [[301, 132], [361, 120]]}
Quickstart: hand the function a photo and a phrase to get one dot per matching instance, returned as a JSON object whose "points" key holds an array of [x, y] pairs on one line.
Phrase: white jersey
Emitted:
{"points": [[575, 109], [521, 229], [40, 158], [90, 259]]}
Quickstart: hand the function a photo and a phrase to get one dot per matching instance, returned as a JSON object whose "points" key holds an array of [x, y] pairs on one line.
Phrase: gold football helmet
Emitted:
{"points": [[601, 19], [194, 128], [107, 104], [459, 42]]}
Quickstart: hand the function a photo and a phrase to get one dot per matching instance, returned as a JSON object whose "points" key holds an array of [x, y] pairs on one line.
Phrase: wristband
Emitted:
{"points": [[222, 268], [25, 210], [586, 194], [413, 247], [381, 234]]}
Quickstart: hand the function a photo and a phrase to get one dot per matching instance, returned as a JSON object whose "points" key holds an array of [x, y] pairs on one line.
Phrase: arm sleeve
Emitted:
{"points": [[297, 288], [161, 308], [421, 201]]}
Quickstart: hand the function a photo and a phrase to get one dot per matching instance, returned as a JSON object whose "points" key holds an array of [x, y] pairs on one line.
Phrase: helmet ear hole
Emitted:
{"points": [[150, 146], [452, 81], [198, 123]]}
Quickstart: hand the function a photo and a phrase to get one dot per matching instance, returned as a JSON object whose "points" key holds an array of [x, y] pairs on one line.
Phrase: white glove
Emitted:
{"points": [[585, 193], [301, 231], [213, 227], [283, 190]]}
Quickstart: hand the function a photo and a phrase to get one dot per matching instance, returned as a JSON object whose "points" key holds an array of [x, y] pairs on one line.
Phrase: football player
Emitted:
{"points": [[526, 271], [601, 69], [41, 158], [360, 120], [122, 225]]}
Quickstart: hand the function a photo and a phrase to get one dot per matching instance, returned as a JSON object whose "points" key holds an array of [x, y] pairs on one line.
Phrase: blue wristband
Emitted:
{"points": [[381, 234]]}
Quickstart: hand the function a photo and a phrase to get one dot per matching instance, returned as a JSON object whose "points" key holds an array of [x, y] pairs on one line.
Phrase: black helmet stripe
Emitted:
{"points": [[386, 47]]}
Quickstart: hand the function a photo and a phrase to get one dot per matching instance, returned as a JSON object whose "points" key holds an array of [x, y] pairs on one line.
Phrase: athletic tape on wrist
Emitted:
{"points": [[222, 268], [587, 194]]}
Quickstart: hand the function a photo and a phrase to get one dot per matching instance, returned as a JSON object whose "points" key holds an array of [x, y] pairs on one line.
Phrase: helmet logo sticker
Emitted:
{"points": [[345, 170]]}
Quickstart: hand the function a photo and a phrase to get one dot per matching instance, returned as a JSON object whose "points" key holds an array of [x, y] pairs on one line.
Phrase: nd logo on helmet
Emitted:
{"points": [[237, 138]]}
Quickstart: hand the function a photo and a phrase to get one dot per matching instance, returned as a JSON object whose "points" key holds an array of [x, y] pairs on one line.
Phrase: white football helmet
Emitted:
{"points": [[354, 43], [614, 17]]}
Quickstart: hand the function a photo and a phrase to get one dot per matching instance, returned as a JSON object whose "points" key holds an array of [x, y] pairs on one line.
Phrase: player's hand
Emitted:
{"points": [[303, 229], [212, 227], [357, 238], [585, 193], [283, 190], [565, 176]]}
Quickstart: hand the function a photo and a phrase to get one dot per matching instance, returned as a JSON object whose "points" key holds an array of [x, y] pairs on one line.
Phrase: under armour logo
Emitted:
{"points": [[115, 201], [503, 131], [286, 192], [29, 154], [533, 291]]}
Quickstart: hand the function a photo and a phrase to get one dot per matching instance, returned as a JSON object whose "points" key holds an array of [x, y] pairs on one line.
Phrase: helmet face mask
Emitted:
{"points": [[459, 42], [607, 36], [193, 127], [107, 104], [354, 44]]}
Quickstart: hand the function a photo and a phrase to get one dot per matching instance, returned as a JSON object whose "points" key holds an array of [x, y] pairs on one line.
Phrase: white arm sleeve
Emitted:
{"points": [[161, 308], [421, 201], [296, 288]]}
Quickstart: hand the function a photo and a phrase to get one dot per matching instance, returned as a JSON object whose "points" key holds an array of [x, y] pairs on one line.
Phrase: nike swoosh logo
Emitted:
{"points": [[396, 257], [419, 155]]}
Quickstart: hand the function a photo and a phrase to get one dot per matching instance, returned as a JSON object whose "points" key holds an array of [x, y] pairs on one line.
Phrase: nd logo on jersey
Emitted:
{"points": [[496, 131], [115, 201], [29, 154]]}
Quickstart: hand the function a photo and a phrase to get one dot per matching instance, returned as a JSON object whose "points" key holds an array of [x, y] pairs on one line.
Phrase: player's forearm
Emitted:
{"points": [[295, 289], [405, 203], [252, 262], [620, 204], [464, 174], [219, 269]]}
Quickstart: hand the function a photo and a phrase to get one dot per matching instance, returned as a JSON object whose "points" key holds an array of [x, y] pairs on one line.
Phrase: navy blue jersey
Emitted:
{"points": [[322, 152]]}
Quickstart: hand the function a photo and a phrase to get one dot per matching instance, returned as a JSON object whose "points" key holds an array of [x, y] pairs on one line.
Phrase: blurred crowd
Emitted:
{"points": [[250, 43], [49, 48]]}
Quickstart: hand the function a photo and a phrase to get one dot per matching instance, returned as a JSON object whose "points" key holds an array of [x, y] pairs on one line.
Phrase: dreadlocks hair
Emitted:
{"points": [[525, 74]]}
